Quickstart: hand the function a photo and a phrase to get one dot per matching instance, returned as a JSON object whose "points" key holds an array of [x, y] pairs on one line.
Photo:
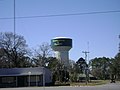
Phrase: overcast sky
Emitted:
{"points": [[101, 30]]}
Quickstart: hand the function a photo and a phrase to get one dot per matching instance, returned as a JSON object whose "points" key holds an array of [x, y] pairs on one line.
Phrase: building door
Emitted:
{"points": [[21, 81]]}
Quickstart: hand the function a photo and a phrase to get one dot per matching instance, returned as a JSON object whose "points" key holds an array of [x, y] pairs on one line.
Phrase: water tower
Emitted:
{"points": [[61, 46]]}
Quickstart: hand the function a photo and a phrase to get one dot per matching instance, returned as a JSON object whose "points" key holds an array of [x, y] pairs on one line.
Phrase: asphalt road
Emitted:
{"points": [[111, 86]]}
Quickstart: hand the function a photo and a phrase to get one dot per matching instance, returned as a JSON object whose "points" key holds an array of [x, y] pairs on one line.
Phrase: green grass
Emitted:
{"points": [[62, 84], [92, 83]]}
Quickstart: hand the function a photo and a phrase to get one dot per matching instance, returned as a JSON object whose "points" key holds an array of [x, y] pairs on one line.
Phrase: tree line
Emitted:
{"points": [[15, 53]]}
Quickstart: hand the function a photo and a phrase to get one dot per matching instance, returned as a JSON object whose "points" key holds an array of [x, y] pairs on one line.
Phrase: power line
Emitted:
{"points": [[61, 15], [119, 43]]}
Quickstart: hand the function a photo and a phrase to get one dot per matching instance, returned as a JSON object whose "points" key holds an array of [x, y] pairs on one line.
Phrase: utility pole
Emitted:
{"points": [[14, 21], [85, 52], [119, 44], [86, 68]]}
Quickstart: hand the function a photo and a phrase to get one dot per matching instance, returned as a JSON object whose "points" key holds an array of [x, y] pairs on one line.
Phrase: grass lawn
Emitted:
{"points": [[91, 83]]}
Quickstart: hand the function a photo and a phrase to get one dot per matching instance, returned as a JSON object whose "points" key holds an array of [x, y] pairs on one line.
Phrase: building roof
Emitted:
{"points": [[21, 71], [62, 38]]}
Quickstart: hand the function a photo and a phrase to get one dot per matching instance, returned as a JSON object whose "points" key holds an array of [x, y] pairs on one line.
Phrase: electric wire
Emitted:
{"points": [[61, 15]]}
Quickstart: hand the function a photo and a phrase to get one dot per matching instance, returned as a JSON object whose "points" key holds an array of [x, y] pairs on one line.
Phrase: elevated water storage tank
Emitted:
{"points": [[61, 46]]}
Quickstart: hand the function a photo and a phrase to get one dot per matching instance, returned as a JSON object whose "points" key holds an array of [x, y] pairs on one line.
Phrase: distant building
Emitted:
{"points": [[23, 77]]}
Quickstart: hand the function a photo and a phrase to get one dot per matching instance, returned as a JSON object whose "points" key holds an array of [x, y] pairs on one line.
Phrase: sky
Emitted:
{"points": [[97, 33]]}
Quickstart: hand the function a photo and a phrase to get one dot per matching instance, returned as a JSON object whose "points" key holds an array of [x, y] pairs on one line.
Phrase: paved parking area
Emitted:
{"points": [[111, 86]]}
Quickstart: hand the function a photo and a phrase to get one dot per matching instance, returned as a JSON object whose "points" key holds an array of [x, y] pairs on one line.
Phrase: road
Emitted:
{"points": [[110, 86]]}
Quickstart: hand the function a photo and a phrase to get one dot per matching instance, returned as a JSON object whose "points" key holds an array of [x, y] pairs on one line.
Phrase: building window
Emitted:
{"points": [[8, 79], [33, 78]]}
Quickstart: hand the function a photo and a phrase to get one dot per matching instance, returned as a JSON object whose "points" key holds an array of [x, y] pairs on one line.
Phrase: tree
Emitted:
{"points": [[13, 48], [81, 63], [43, 57], [3, 60], [73, 71], [58, 71], [52, 63], [115, 66], [42, 54], [100, 67]]}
